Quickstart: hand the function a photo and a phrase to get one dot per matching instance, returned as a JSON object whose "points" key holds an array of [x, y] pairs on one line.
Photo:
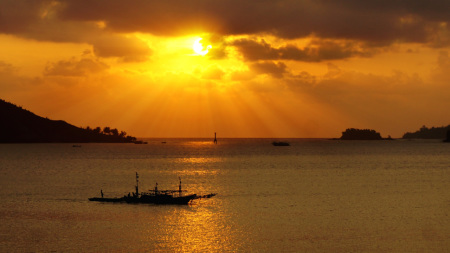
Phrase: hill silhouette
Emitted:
{"points": [[22, 126]]}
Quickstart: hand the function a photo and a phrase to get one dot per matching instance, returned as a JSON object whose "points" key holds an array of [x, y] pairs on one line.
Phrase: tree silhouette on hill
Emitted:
{"points": [[18, 125]]}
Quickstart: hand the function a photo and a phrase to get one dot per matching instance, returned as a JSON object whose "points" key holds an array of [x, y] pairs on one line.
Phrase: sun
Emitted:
{"points": [[199, 49]]}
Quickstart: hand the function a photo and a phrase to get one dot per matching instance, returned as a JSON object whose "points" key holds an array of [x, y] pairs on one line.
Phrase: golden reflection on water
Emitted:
{"points": [[197, 165], [198, 160], [199, 143], [191, 229]]}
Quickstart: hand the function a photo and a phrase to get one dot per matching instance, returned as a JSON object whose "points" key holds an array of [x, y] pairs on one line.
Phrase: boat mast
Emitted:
{"points": [[137, 184]]}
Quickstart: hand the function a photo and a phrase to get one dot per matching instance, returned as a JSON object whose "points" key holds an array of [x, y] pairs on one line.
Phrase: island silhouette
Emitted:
{"points": [[361, 134], [22, 126], [428, 133]]}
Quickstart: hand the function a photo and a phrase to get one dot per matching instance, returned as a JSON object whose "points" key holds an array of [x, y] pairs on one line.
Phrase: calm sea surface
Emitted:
{"points": [[313, 196]]}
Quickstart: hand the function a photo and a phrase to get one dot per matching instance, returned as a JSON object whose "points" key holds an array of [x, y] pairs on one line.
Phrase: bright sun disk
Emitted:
{"points": [[199, 49]]}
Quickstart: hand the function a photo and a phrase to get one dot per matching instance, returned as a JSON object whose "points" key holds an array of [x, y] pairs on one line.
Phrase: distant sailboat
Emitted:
{"points": [[215, 138]]}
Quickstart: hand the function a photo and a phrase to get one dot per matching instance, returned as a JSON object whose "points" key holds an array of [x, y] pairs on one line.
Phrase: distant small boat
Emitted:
{"points": [[140, 142], [76, 146], [280, 143]]}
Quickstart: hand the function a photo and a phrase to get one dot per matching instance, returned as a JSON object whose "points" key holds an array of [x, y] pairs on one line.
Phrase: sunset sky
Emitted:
{"points": [[266, 68]]}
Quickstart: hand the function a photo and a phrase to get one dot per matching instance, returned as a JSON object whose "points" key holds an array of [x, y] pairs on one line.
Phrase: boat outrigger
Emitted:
{"points": [[155, 196]]}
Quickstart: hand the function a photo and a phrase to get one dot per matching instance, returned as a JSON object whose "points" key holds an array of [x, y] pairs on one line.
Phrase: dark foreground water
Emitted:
{"points": [[314, 196]]}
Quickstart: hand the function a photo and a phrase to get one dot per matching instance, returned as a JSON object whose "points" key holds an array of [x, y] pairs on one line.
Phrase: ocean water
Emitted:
{"points": [[313, 196]]}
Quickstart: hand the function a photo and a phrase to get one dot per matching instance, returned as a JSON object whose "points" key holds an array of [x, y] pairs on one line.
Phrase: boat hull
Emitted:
{"points": [[161, 199], [150, 199]]}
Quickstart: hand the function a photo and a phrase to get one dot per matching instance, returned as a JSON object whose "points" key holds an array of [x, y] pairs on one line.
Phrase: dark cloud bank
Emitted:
{"points": [[361, 26], [375, 21]]}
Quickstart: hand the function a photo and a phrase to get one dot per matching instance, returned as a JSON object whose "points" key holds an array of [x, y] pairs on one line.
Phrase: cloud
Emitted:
{"points": [[440, 74], [129, 49], [6, 67], [218, 51], [213, 73], [9, 80], [241, 76], [74, 67], [39, 20], [316, 51], [17, 16], [274, 69]]}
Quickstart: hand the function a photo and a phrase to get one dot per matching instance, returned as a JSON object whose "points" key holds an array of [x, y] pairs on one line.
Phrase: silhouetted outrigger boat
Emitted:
{"points": [[155, 196]]}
